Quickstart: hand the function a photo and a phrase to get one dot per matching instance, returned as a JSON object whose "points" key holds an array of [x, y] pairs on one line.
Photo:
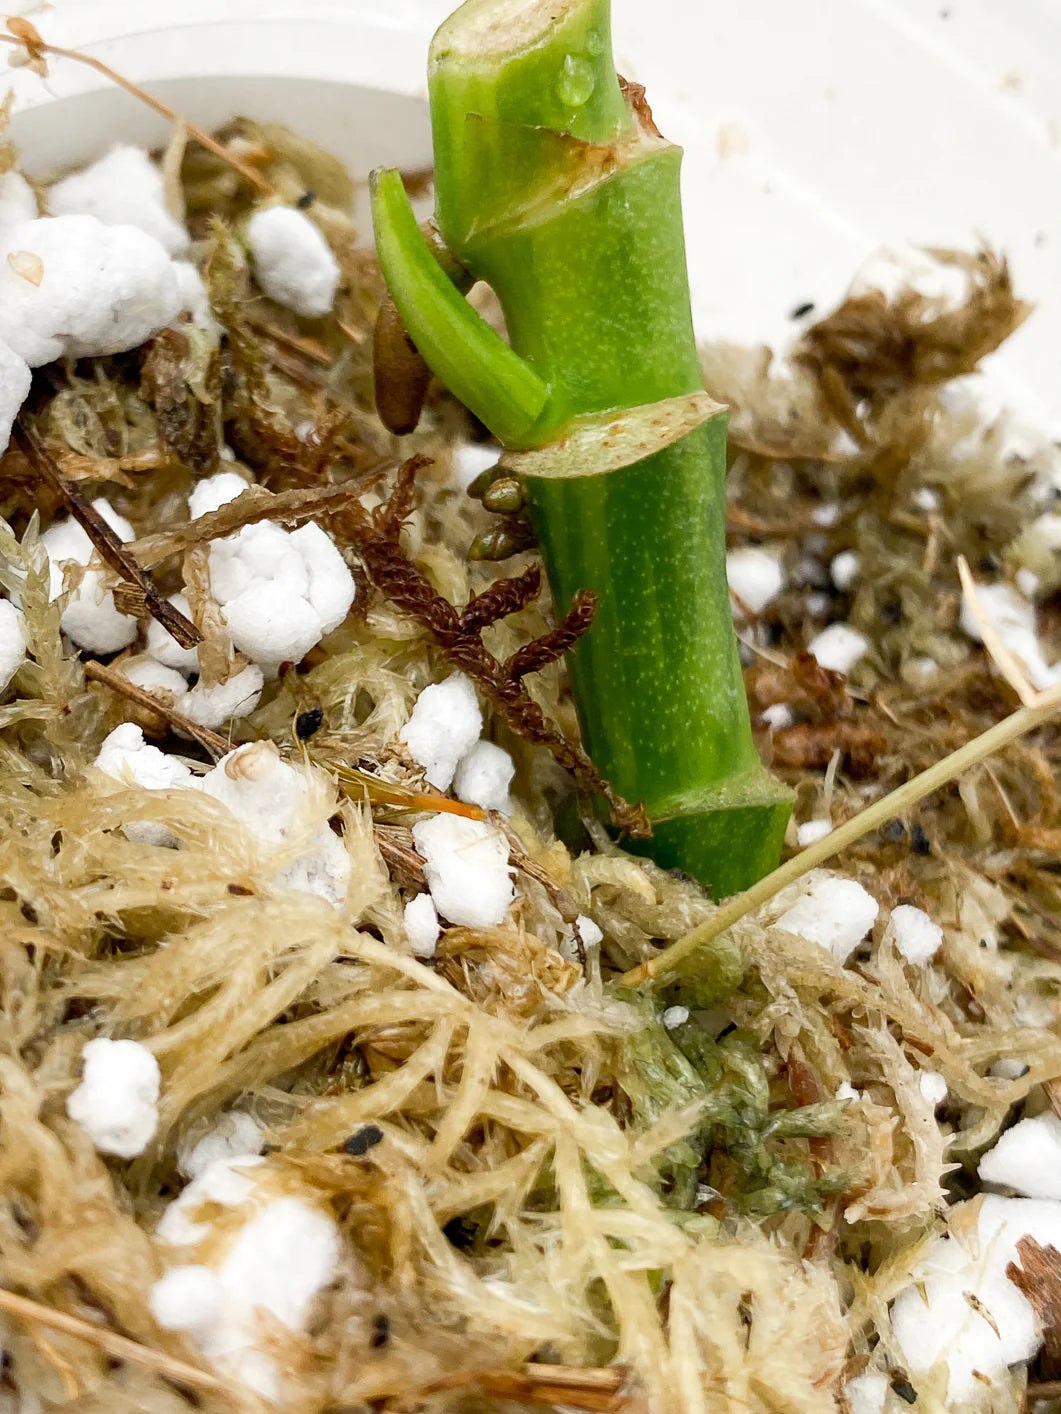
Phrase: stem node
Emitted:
{"points": [[554, 186]]}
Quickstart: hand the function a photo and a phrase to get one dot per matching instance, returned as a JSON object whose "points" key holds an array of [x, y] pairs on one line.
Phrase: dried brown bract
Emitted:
{"points": [[400, 374], [634, 93]]}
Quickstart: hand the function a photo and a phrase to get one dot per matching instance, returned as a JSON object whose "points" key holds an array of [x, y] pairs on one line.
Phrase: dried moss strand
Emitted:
{"points": [[249, 508], [119, 1346], [1011, 729]]}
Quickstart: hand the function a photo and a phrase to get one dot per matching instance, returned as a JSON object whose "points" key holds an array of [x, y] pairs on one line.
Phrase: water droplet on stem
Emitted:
{"points": [[576, 82]]}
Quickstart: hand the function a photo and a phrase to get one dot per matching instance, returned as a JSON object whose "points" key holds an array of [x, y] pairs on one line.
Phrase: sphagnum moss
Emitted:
{"points": [[513, 1212]]}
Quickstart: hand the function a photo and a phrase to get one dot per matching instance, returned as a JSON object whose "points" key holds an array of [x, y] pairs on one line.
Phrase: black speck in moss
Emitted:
{"points": [[902, 1387], [306, 723], [461, 1232], [359, 1144], [381, 1331]]}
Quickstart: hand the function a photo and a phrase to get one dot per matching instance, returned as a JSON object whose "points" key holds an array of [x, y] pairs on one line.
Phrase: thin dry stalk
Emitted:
{"points": [[118, 1346], [96, 672], [295, 343], [599, 1391], [25, 35], [103, 537], [896, 803], [1004, 660], [397, 854], [380, 792], [563, 902]]}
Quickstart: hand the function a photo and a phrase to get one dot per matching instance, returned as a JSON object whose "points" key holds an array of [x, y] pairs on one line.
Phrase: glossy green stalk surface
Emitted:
{"points": [[662, 705], [557, 192]]}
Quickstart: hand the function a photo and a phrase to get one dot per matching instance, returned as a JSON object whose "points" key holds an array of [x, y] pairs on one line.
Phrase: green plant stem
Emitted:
{"points": [[672, 961], [473, 362], [554, 190]]}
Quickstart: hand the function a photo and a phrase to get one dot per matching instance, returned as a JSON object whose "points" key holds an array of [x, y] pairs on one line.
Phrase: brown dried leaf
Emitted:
{"points": [[215, 650]]}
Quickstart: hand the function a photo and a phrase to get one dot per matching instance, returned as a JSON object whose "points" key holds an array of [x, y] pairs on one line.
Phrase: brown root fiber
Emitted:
{"points": [[874, 349]]}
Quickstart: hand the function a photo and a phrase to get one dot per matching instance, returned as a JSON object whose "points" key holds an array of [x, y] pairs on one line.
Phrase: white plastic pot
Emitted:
{"points": [[347, 75], [813, 133]]}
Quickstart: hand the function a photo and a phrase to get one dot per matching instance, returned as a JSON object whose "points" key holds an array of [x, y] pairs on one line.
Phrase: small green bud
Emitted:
{"points": [[501, 541], [478, 488], [504, 497]]}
